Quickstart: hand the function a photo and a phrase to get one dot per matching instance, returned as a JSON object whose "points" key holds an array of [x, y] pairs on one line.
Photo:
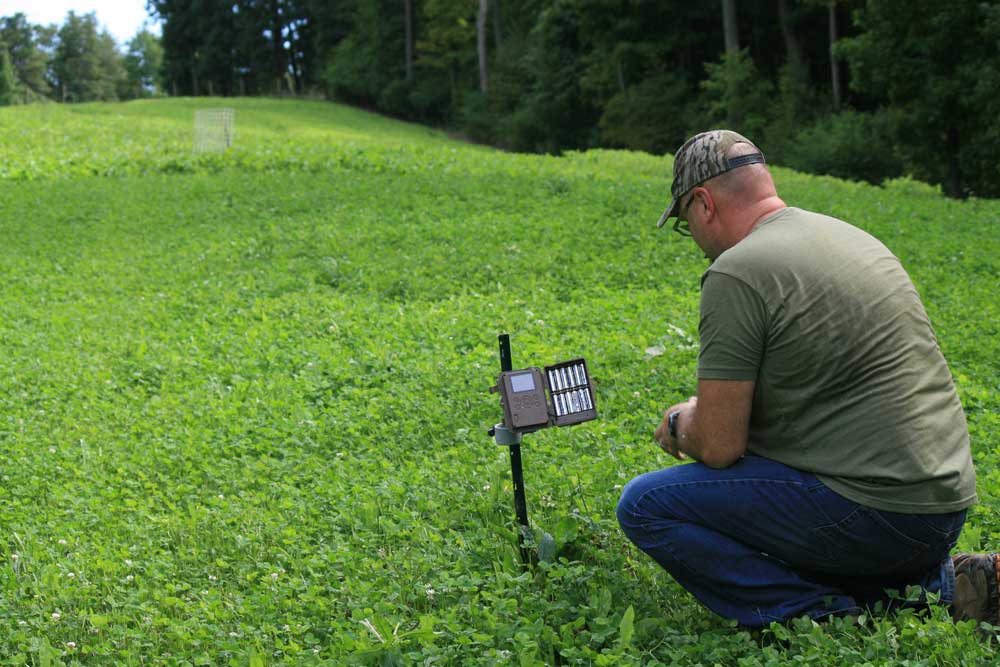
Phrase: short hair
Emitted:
{"points": [[743, 181]]}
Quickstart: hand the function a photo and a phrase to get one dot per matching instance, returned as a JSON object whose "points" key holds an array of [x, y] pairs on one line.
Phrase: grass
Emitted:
{"points": [[243, 401]]}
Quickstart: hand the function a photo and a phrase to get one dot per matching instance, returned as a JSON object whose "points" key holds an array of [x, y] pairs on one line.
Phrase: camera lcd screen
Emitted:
{"points": [[522, 382]]}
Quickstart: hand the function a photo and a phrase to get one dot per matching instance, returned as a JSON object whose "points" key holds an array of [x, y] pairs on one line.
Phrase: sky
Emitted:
{"points": [[122, 18]]}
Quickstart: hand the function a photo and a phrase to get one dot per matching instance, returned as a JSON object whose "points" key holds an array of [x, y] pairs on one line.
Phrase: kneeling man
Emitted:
{"points": [[831, 453]]}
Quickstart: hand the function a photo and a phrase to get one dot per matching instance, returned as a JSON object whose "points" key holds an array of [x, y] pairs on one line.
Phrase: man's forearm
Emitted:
{"points": [[712, 428]]}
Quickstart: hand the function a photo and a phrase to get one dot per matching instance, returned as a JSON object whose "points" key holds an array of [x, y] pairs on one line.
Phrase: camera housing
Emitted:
{"points": [[558, 395]]}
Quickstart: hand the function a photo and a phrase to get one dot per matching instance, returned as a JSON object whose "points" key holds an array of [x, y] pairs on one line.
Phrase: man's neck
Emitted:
{"points": [[764, 208], [751, 217]]}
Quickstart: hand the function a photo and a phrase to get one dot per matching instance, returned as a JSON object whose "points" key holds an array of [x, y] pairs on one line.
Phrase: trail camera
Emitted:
{"points": [[558, 395], [532, 399]]}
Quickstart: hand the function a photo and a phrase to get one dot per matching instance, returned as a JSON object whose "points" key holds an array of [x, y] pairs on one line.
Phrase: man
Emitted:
{"points": [[831, 454]]}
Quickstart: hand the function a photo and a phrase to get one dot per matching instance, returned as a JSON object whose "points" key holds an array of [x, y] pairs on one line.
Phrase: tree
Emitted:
{"points": [[736, 93], [8, 81], [200, 45], [556, 101], [143, 61], [408, 19], [792, 46], [834, 62], [907, 58], [448, 46], [732, 37], [729, 25], [86, 65], [481, 45], [26, 47]]}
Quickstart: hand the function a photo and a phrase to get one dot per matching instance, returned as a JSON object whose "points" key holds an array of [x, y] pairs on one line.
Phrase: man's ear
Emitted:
{"points": [[702, 197]]}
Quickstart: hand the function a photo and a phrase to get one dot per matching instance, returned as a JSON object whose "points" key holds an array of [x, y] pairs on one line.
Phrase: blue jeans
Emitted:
{"points": [[760, 542]]}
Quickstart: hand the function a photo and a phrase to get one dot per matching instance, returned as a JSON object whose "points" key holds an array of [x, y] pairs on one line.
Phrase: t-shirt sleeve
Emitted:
{"points": [[732, 329]]}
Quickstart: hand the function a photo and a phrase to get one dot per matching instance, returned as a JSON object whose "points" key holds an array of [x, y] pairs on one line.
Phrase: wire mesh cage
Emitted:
{"points": [[213, 130]]}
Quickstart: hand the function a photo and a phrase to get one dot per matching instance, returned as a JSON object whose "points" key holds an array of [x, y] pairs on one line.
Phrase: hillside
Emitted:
{"points": [[243, 401]]}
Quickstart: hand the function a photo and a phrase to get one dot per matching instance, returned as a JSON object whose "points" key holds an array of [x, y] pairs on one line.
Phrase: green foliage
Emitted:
{"points": [[651, 116], [26, 45], [369, 60], [849, 144], [735, 96], [143, 62], [8, 80], [555, 99], [905, 57], [86, 66], [798, 106], [243, 405]]}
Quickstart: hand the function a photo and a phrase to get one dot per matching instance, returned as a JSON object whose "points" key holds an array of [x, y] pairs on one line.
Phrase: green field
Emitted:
{"points": [[243, 398]]}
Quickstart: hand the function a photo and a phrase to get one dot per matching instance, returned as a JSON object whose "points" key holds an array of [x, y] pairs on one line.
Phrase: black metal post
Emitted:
{"points": [[516, 473]]}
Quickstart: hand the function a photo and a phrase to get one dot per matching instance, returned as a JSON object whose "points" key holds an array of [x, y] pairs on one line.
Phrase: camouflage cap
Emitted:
{"points": [[702, 157]]}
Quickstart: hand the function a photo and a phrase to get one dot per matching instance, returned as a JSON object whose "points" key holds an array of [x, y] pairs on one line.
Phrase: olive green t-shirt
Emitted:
{"points": [[850, 382]]}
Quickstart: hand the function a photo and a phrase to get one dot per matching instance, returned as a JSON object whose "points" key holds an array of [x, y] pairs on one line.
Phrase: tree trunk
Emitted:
{"points": [[729, 27], [792, 46], [296, 68], [732, 37], [481, 44], [497, 25], [834, 65], [953, 187], [408, 20], [278, 37], [452, 82]]}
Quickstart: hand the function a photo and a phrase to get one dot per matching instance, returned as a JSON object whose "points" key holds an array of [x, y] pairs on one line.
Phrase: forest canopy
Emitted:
{"points": [[865, 90]]}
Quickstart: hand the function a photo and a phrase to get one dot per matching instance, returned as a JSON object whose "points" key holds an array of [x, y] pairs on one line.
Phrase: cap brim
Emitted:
{"points": [[671, 212]]}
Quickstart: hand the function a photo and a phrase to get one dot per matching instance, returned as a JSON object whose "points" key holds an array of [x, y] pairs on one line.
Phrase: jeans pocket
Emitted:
{"points": [[863, 543]]}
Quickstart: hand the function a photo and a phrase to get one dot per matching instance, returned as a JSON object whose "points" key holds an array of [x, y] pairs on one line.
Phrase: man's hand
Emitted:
{"points": [[667, 443], [714, 429]]}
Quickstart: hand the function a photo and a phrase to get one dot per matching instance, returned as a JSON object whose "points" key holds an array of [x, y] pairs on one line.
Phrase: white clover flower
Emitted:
{"points": [[286, 627], [212, 577], [62, 542], [430, 592], [221, 497], [52, 450], [129, 578], [234, 634], [22, 623], [56, 616], [71, 645], [128, 563], [70, 574], [486, 487], [14, 557], [274, 575]]}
